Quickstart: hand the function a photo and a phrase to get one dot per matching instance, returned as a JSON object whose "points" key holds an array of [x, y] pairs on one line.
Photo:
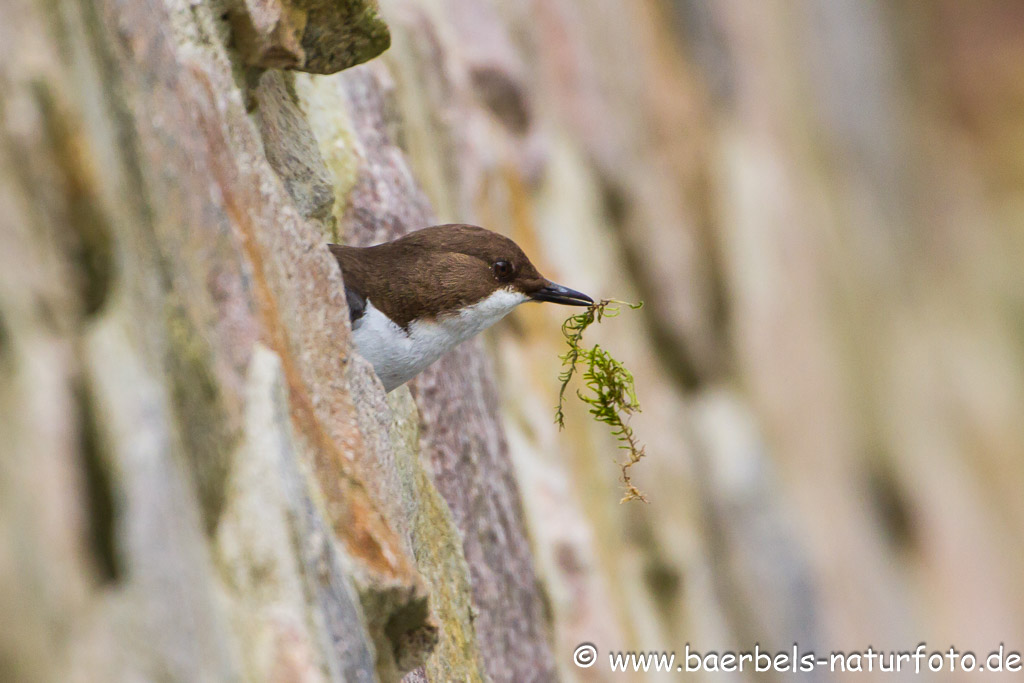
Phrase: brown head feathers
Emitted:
{"points": [[433, 271]]}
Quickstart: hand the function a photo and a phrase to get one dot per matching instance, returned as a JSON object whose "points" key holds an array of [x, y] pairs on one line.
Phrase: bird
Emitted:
{"points": [[415, 298]]}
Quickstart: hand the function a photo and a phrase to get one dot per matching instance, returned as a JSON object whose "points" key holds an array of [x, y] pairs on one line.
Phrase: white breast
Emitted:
{"points": [[398, 356]]}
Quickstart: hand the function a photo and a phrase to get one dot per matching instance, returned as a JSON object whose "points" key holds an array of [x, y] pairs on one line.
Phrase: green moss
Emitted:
{"points": [[437, 547], [608, 385], [202, 418], [327, 113], [341, 33]]}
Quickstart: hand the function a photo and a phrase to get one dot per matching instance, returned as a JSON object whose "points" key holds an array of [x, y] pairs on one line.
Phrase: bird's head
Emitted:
{"points": [[480, 263]]}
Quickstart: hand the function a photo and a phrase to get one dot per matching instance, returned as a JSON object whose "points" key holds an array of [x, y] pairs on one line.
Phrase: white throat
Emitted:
{"points": [[398, 356]]}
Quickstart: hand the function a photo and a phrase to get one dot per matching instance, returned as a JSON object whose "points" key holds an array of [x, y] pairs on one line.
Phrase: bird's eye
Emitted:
{"points": [[503, 270]]}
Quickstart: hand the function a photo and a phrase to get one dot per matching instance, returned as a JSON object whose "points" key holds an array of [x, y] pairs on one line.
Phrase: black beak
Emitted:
{"points": [[561, 295]]}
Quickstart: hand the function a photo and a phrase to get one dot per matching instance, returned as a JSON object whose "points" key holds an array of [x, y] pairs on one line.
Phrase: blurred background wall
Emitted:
{"points": [[821, 203]]}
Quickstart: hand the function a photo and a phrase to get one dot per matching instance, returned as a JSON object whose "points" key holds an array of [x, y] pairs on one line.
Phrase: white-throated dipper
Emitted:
{"points": [[414, 299]]}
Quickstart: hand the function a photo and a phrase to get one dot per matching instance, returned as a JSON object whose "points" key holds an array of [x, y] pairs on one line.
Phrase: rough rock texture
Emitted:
{"points": [[167, 280], [199, 479], [318, 36]]}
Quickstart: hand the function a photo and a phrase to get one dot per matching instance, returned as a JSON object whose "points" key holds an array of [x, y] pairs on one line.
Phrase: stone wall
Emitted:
{"points": [[200, 480]]}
